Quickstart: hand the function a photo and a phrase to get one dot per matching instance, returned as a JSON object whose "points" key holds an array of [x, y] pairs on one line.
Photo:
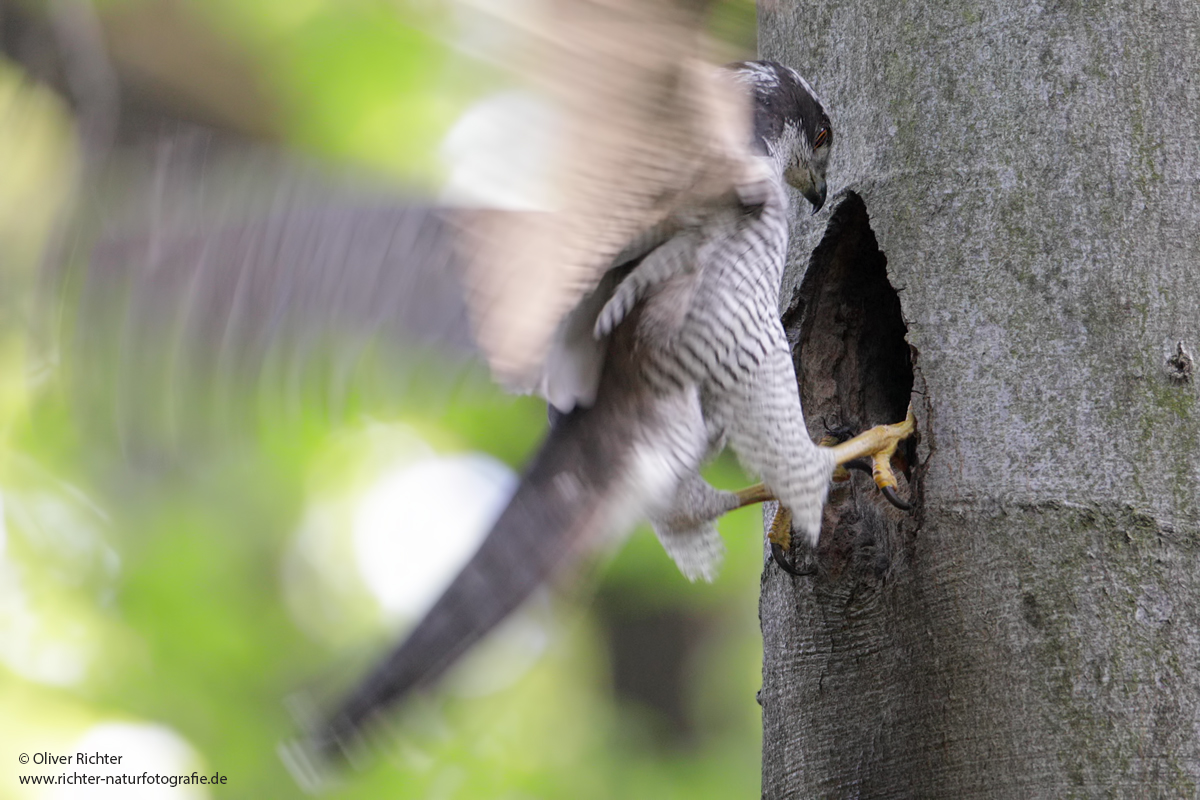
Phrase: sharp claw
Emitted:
{"points": [[872, 451], [890, 493], [860, 464], [780, 537], [780, 557], [885, 479]]}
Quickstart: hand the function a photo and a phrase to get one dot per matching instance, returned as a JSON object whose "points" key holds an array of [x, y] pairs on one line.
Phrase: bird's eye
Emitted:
{"points": [[822, 138]]}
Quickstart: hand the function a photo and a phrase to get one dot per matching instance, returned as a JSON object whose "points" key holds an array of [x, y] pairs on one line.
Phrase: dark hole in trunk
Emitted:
{"points": [[855, 370]]}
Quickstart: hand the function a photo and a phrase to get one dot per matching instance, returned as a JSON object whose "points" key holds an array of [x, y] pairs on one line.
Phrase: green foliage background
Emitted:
{"points": [[159, 565]]}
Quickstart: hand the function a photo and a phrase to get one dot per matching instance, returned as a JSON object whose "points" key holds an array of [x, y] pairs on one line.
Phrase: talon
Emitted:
{"points": [[841, 472], [780, 534], [879, 443], [780, 537], [890, 493], [860, 464], [778, 554], [884, 479]]}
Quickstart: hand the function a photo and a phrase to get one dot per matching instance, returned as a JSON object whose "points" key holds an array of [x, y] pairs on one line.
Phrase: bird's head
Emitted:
{"points": [[790, 125]]}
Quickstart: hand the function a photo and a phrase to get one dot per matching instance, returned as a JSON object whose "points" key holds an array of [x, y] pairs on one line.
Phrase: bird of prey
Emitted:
{"points": [[645, 129], [692, 356]]}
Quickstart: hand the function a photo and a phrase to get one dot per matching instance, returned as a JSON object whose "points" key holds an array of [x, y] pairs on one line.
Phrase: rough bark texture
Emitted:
{"points": [[1029, 178]]}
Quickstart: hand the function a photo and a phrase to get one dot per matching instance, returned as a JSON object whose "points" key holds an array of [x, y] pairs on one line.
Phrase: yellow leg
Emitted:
{"points": [[780, 539], [781, 529], [880, 444], [758, 493], [840, 473]]}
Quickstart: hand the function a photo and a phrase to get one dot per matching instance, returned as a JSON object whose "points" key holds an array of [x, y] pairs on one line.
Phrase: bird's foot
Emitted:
{"points": [[780, 534], [872, 451], [780, 537]]}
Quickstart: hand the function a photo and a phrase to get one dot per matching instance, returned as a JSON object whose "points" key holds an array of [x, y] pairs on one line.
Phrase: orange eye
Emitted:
{"points": [[822, 138]]}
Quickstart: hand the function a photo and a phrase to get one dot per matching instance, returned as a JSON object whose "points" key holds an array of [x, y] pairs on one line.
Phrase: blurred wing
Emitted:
{"points": [[220, 267], [647, 128]]}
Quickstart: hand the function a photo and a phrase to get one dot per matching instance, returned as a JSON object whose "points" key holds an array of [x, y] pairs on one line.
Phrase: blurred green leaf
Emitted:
{"points": [[189, 626]]}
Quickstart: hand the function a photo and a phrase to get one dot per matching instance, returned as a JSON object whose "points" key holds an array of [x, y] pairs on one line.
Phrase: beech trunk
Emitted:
{"points": [[1016, 241]]}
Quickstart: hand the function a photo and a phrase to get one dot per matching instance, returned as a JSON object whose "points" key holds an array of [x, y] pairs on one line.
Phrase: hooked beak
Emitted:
{"points": [[808, 182], [815, 194]]}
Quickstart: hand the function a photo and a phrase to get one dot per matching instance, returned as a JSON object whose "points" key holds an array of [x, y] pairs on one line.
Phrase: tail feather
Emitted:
{"points": [[562, 504]]}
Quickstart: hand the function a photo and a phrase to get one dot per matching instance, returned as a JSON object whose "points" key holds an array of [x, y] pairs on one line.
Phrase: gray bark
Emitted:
{"points": [[1030, 177]]}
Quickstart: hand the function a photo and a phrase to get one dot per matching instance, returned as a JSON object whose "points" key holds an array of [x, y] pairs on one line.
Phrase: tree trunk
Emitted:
{"points": [[1027, 179]]}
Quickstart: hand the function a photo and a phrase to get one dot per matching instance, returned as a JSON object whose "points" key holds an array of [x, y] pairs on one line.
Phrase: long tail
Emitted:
{"points": [[564, 501]]}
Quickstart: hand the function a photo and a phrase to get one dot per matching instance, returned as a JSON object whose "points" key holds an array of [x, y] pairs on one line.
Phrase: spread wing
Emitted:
{"points": [[647, 129]]}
